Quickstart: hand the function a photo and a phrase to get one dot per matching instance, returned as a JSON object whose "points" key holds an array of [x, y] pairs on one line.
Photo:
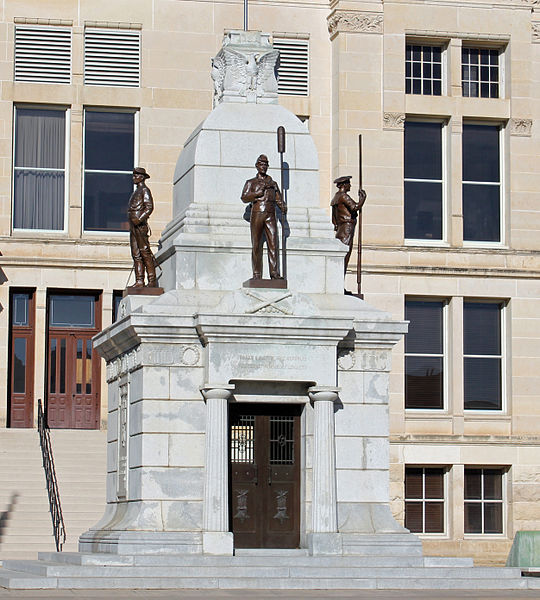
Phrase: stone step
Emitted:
{"points": [[240, 570]]}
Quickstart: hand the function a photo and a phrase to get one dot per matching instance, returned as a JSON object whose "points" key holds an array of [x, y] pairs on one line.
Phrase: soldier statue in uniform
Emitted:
{"points": [[344, 213], [140, 207], [263, 193]]}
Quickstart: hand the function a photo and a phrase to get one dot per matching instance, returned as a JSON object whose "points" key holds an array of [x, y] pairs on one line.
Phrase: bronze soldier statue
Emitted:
{"points": [[344, 213], [140, 207], [264, 194]]}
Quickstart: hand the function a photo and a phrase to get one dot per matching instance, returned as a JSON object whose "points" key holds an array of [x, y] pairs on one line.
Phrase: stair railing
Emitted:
{"points": [[55, 507]]}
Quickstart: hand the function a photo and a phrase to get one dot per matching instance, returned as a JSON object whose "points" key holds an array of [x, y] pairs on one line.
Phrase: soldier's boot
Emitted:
{"points": [[150, 265], [139, 274]]}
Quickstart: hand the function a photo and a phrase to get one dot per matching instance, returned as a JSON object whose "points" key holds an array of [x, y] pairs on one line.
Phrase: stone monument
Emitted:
{"points": [[246, 417]]}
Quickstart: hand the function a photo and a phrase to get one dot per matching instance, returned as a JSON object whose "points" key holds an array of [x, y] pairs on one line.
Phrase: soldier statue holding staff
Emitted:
{"points": [[140, 207], [345, 212], [264, 194]]}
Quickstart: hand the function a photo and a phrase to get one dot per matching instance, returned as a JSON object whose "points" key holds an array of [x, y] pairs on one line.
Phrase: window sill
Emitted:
{"points": [[424, 243], [478, 415], [486, 245], [426, 413]]}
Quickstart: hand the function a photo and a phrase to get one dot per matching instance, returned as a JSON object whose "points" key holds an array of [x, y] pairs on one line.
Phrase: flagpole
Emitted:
{"points": [[281, 150], [245, 15], [359, 256]]}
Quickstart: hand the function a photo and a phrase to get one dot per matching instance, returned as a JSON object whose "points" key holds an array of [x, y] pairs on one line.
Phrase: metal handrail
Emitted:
{"points": [[55, 507]]}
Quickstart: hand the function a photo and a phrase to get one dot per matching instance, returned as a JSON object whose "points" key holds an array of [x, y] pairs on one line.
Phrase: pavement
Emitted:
{"points": [[262, 594]]}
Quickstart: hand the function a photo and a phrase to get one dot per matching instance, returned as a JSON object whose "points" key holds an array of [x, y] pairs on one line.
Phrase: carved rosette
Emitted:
{"points": [[355, 22], [521, 127], [393, 121]]}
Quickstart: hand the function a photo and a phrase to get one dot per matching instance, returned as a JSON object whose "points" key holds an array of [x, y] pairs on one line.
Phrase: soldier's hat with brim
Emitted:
{"points": [[342, 180], [141, 171]]}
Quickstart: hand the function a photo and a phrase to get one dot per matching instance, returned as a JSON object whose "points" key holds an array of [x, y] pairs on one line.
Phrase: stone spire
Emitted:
{"points": [[244, 70]]}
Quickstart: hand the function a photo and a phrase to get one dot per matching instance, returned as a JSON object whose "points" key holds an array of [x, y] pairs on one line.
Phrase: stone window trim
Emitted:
{"points": [[483, 502], [503, 157], [112, 25], [38, 232], [444, 355], [426, 500]]}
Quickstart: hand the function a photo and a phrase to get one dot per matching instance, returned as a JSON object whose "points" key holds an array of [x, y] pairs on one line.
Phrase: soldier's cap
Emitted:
{"points": [[141, 171], [263, 159], [342, 180]]}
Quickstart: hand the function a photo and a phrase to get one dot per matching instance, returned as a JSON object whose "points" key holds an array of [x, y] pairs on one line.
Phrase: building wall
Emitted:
{"points": [[357, 85]]}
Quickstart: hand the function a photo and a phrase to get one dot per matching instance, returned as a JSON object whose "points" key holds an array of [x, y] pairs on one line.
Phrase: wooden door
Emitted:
{"points": [[73, 398], [265, 475], [73, 381], [21, 359]]}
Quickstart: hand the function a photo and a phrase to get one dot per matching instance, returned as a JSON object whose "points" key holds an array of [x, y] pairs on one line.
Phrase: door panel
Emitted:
{"points": [[265, 475], [73, 366]]}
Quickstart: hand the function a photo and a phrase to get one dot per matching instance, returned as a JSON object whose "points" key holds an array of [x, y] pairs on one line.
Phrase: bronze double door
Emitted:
{"points": [[264, 465]]}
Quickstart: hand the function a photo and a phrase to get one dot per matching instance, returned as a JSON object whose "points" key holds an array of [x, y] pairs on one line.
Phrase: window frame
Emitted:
{"points": [[504, 501], [445, 182], [502, 185], [445, 355], [483, 45], [66, 170], [445, 500], [434, 43], [92, 233], [504, 335]]}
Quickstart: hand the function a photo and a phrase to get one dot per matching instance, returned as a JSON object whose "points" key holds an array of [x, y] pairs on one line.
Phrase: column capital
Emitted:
{"points": [[221, 391], [323, 392]]}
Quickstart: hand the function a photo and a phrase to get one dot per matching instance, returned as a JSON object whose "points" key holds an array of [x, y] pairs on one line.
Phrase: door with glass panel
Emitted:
{"points": [[73, 367], [21, 379], [264, 460]]}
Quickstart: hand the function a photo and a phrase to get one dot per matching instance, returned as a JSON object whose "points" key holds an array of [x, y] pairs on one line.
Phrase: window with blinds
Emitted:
{"points": [[112, 57], [482, 356], [293, 70], [424, 499], [42, 54], [424, 354]]}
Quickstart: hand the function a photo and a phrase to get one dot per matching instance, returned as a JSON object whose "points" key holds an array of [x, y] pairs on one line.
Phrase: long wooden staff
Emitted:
{"points": [[281, 150], [359, 259]]}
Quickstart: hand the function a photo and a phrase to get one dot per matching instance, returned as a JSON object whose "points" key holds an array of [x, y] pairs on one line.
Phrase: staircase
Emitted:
{"points": [[25, 520], [278, 569]]}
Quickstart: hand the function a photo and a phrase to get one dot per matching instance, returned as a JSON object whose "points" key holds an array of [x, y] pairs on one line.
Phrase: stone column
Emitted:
{"points": [[324, 538], [217, 539]]}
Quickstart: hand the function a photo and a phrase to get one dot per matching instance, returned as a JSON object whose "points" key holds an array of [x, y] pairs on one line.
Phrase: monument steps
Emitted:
{"points": [[256, 571]]}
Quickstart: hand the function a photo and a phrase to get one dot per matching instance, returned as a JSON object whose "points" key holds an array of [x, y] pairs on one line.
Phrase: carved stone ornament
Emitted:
{"points": [[393, 120], [346, 360], [521, 127], [124, 363], [244, 70], [268, 305], [535, 32], [356, 22]]}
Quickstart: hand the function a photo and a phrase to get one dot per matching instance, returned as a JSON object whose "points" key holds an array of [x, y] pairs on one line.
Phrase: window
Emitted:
{"points": [[480, 73], [482, 356], [42, 54], [112, 57], [423, 69], [39, 179], [484, 501], [424, 499], [424, 354], [423, 186], [116, 299], [21, 380], [481, 183], [109, 158], [293, 69]]}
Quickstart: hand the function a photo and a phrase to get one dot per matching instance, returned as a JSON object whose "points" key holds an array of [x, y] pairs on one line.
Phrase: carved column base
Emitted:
{"points": [[218, 542], [325, 543]]}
